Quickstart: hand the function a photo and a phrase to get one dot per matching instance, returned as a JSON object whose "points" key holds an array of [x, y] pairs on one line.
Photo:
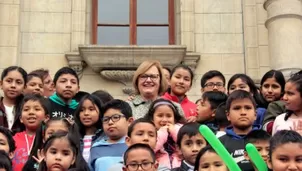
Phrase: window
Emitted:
{"points": [[141, 22]]}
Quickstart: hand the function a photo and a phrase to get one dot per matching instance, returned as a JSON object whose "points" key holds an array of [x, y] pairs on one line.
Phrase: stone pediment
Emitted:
{"points": [[118, 63]]}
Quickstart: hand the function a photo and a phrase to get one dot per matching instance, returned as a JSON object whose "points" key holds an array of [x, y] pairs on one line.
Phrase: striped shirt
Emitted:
{"points": [[87, 145]]}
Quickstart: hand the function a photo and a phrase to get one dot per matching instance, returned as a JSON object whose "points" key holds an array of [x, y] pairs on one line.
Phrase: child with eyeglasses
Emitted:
{"points": [[145, 161], [108, 150]]}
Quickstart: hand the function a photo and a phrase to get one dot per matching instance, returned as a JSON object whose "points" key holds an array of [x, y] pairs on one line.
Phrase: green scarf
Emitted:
{"points": [[55, 98]]}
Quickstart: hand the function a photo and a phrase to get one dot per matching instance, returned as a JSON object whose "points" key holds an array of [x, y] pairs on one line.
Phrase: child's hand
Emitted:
{"points": [[39, 157], [192, 119], [170, 127], [131, 97]]}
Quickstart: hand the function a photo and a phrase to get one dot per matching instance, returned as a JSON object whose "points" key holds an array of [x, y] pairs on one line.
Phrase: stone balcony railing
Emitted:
{"points": [[118, 63]]}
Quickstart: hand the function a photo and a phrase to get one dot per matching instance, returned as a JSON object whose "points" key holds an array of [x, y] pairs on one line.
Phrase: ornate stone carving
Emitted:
{"points": [[191, 59], [75, 62], [122, 76]]}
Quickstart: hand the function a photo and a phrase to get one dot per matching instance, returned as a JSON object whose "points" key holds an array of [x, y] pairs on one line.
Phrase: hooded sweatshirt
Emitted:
{"points": [[58, 108], [235, 144]]}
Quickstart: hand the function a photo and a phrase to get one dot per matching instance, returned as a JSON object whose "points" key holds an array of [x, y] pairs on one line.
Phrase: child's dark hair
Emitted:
{"points": [[208, 148], [211, 74], [42, 72], [283, 137], [137, 121], [104, 96], [95, 101], [39, 141], [73, 144], [185, 67], [5, 162], [253, 88], [168, 69], [14, 68], [297, 80], [33, 75], [257, 135], [239, 95], [215, 98], [78, 97], [65, 70], [139, 146], [8, 134], [221, 117], [178, 118], [279, 77], [117, 104], [191, 129], [37, 98], [197, 101]]}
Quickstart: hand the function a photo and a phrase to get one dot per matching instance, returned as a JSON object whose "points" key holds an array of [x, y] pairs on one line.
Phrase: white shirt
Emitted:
{"points": [[9, 115], [290, 124], [87, 146]]}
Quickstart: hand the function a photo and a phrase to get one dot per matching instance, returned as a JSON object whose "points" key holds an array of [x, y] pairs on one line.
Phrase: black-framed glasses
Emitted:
{"points": [[153, 77], [212, 85], [135, 166], [114, 118]]}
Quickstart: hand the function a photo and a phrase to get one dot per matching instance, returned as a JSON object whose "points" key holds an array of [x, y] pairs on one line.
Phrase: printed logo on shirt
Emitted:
{"points": [[238, 155], [60, 114]]}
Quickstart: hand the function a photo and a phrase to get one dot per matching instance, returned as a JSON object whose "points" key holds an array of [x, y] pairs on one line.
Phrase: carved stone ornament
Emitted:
{"points": [[118, 63]]}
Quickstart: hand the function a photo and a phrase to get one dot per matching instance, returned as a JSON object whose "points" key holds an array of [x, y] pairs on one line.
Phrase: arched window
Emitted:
{"points": [[134, 22]]}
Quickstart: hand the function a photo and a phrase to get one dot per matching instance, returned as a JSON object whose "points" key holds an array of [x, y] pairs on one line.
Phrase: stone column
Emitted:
{"points": [[284, 26]]}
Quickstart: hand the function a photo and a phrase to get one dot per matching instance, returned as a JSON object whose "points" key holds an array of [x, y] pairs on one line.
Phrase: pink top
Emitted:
{"points": [[161, 155], [187, 106]]}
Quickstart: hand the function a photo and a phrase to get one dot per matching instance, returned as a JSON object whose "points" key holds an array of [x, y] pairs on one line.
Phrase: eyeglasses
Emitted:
{"points": [[135, 166], [153, 77], [114, 118], [212, 85]]}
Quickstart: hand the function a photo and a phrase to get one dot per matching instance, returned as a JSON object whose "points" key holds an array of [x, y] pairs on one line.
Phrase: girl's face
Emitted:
{"points": [[167, 75], [149, 82], [292, 97], [271, 90], [239, 84], [89, 114], [12, 84], [53, 127], [180, 82], [286, 157], [163, 116], [211, 161], [59, 156], [32, 114]]}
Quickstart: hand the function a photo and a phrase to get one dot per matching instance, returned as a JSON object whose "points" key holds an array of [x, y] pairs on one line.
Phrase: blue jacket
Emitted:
{"points": [[104, 154], [260, 116], [235, 144]]}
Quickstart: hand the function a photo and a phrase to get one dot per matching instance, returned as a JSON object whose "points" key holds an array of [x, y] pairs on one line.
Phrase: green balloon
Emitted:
{"points": [[219, 148], [255, 157]]}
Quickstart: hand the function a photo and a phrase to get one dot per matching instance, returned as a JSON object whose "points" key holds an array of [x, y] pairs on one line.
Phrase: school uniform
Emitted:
{"points": [[58, 108], [184, 167], [235, 144]]}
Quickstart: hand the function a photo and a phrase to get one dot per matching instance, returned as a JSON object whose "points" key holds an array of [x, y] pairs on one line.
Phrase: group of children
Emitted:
{"points": [[73, 131]]}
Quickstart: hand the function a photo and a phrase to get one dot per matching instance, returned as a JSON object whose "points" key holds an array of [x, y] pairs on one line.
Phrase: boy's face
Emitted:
{"points": [[263, 149], [144, 133], [204, 111], [135, 162], [190, 146], [214, 84], [115, 124], [34, 86], [67, 86], [5, 146], [242, 114]]}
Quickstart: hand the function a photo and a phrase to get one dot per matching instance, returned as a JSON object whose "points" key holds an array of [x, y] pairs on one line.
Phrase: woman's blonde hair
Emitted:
{"points": [[145, 66]]}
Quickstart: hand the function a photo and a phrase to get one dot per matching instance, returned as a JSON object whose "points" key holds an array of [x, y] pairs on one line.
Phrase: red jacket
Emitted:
{"points": [[188, 107]]}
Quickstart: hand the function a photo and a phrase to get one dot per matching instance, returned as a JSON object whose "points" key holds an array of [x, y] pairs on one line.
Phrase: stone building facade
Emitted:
{"points": [[233, 36]]}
